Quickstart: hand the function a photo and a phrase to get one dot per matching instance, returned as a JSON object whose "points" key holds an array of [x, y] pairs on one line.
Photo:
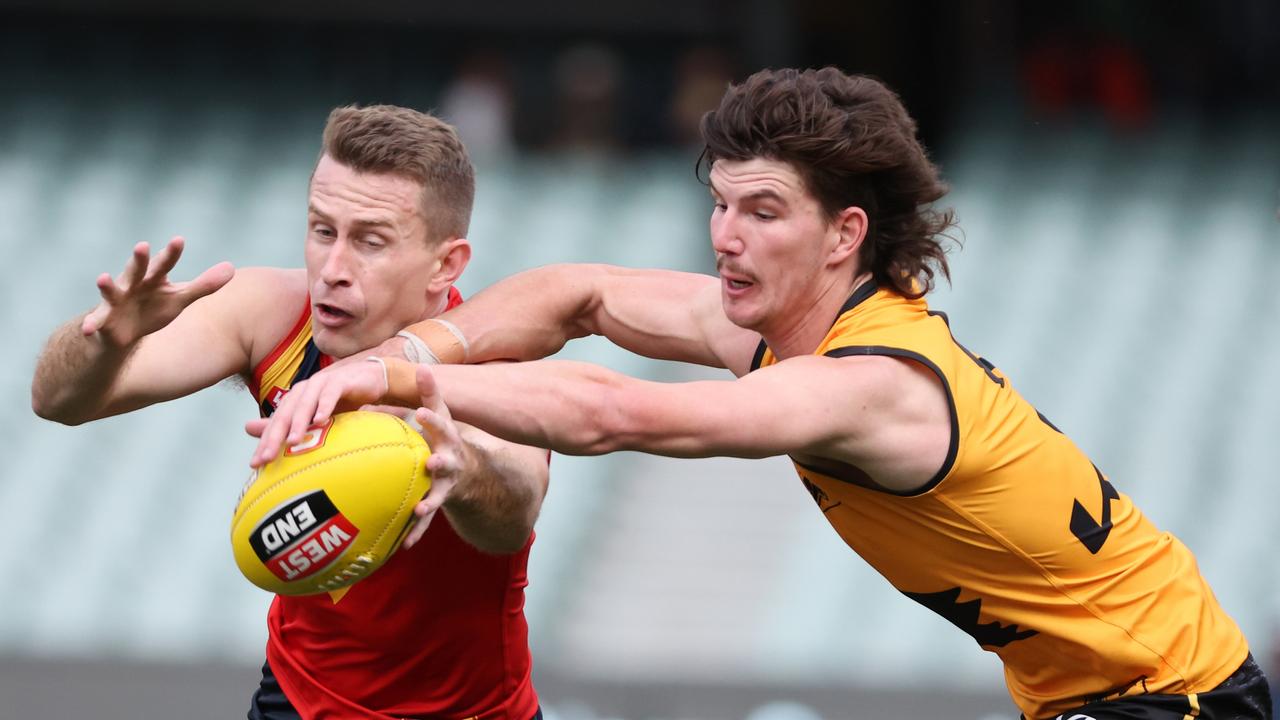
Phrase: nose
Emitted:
{"points": [[725, 239], [336, 270]]}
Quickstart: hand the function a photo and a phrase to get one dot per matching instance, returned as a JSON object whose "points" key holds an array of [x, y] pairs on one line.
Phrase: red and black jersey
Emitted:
{"points": [[438, 631]]}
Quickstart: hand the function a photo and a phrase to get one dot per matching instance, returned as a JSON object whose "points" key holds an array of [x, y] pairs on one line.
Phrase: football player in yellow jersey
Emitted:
{"points": [[919, 453]]}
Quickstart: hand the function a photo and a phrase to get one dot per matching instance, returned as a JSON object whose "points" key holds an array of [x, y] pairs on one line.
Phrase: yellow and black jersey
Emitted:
{"points": [[1019, 540]]}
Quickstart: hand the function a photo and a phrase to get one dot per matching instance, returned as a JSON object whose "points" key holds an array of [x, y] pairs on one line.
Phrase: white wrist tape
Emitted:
{"points": [[416, 351], [386, 377], [457, 333]]}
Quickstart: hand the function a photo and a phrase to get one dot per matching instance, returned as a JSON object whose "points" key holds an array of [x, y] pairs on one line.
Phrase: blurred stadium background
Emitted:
{"points": [[1117, 176]]}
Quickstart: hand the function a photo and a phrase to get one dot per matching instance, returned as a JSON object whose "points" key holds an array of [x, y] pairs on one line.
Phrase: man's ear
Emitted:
{"points": [[451, 259], [850, 231]]}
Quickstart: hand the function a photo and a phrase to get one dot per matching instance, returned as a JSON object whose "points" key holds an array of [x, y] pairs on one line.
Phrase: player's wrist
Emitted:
{"points": [[386, 376], [111, 335], [402, 383], [393, 347], [433, 341]]}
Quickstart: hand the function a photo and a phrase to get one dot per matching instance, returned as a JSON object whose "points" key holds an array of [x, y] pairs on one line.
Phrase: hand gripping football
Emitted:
{"points": [[333, 507]]}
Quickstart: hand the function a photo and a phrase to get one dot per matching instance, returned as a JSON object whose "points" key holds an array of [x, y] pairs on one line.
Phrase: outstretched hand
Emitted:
{"points": [[141, 300]]}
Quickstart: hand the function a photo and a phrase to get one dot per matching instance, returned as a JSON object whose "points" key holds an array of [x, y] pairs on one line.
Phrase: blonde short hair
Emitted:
{"points": [[423, 148]]}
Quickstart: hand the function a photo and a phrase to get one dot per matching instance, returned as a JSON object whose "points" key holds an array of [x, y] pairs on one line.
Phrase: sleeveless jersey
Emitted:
{"points": [[1019, 540], [438, 631]]}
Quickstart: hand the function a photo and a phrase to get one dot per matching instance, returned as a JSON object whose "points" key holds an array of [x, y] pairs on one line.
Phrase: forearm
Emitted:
{"points": [[527, 316], [660, 314], [75, 375], [578, 408], [496, 506], [562, 406]]}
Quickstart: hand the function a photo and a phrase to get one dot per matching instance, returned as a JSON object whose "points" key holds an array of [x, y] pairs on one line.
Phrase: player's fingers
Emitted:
{"points": [[302, 417], [326, 403], [273, 436], [108, 289], [419, 529], [268, 445], [427, 508], [430, 504], [271, 442], [136, 269], [165, 260], [256, 427], [207, 282], [435, 428], [94, 319], [443, 464], [428, 390]]}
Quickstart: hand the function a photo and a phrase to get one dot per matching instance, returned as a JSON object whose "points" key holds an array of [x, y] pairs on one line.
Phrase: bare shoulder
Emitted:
{"points": [[266, 302], [896, 414], [885, 381], [856, 398], [268, 283]]}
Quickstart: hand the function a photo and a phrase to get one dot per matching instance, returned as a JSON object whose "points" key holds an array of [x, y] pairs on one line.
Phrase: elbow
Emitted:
{"points": [[508, 544], [497, 536], [61, 418], [40, 404], [45, 408]]}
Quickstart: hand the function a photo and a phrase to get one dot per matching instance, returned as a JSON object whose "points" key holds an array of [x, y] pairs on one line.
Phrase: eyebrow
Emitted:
{"points": [[764, 194], [761, 194], [359, 222]]}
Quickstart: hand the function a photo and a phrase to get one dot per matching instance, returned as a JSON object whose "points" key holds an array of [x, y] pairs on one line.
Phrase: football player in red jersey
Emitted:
{"points": [[439, 630]]}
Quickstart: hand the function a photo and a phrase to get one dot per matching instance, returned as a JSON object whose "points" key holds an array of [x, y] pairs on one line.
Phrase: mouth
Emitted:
{"points": [[331, 315], [734, 282]]}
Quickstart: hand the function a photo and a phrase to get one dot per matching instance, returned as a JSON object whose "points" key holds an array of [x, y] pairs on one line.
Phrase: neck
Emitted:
{"points": [[436, 307], [805, 334]]}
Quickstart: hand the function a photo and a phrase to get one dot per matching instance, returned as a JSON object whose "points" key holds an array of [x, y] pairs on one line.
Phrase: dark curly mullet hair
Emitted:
{"points": [[853, 144]]}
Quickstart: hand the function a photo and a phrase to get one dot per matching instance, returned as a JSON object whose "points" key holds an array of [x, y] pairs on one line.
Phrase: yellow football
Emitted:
{"points": [[333, 507]]}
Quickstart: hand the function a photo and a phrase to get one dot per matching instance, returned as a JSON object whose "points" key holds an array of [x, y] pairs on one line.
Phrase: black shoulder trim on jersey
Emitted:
{"points": [[987, 366], [310, 364], [861, 293], [843, 472], [952, 449], [759, 356]]}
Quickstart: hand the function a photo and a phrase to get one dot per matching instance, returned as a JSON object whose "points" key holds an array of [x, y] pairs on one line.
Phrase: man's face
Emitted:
{"points": [[368, 258], [768, 233]]}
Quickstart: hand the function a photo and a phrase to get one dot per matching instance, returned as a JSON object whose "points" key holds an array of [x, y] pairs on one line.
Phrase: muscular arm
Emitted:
{"points": [[160, 343], [887, 416], [79, 378], [657, 313]]}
